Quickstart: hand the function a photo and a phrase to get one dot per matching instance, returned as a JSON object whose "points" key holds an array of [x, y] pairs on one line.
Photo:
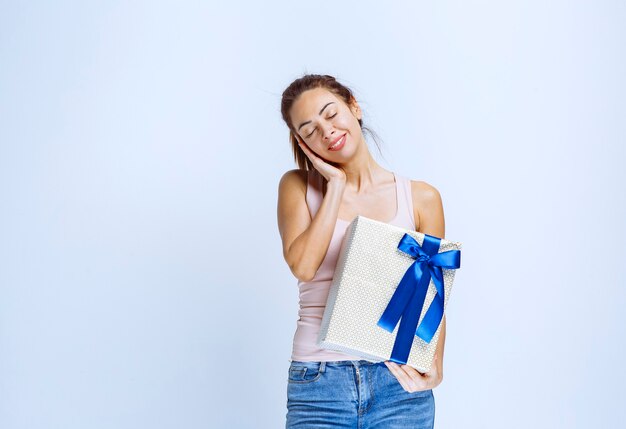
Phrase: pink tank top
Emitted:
{"points": [[313, 294]]}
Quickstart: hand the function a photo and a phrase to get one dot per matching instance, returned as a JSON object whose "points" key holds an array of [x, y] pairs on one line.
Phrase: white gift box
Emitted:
{"points": [[369, 268]]}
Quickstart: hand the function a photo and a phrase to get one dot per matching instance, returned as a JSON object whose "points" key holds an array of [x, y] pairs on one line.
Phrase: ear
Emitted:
{"points": [[355, 108]]}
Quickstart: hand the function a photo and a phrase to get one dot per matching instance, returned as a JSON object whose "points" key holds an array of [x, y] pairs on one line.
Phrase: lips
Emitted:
{"points": [[342, 138]]}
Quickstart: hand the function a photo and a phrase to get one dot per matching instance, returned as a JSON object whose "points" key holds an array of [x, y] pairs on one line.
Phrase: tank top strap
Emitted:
{"points": [[405, 201], [314, 191]]}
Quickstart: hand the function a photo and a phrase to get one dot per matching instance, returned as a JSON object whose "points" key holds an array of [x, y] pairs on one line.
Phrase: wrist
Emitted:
{"points": [[437, 381], [336, 182]]}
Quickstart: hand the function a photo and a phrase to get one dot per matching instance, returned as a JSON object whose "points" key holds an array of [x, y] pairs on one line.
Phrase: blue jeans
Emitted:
{"points": [[353, 394]]}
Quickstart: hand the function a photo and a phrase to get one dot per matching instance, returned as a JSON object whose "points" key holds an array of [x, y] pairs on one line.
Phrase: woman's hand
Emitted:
{"points": [[327, 170], [411, 379]]}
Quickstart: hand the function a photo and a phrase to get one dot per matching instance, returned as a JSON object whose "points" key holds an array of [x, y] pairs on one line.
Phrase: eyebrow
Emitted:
{"points": [[321, 111]]}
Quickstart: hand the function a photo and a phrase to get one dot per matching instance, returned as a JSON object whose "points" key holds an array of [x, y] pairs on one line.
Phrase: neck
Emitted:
{"points": [[362, 171]]}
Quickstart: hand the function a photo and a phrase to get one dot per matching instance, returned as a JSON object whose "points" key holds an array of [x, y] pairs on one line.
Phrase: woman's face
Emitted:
{"points": [[321, 119]]}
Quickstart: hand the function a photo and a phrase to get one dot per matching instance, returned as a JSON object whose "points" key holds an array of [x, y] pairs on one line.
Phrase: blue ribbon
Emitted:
{"points": [[408, 299]]}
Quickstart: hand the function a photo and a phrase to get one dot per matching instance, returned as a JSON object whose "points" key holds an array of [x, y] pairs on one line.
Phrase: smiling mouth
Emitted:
{"points": [[340, 141]]}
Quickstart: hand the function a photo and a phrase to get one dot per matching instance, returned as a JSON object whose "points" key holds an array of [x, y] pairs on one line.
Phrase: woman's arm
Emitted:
{"points": [[305, 240], [429, 219]]}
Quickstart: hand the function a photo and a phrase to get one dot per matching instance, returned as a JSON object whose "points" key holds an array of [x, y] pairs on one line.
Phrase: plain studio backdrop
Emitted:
{"points": [[142, 282]]}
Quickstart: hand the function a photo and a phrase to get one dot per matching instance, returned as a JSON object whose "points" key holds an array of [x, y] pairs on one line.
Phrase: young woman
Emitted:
{"points": [[337, 180]]}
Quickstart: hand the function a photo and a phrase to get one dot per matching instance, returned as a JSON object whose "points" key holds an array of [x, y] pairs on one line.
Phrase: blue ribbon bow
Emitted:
{"points": [[408, 299]]}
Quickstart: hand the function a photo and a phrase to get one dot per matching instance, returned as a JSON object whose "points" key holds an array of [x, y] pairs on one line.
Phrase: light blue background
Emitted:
{"points": [[142, 277]]}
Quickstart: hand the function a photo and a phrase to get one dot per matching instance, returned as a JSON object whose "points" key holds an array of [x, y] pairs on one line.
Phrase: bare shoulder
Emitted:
{"points": [[293, 179], [427, 208], [424, 192]]}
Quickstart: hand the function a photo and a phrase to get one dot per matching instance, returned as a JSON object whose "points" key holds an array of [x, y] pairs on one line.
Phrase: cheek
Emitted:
{"points": [[348, 122]]}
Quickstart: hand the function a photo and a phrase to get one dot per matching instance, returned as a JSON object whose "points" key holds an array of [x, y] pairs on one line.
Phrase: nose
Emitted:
{"points": [[328, 132]]}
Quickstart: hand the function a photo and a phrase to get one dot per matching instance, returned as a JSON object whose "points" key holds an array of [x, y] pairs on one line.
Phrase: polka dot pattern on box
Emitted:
{"points": [[369, 268]]}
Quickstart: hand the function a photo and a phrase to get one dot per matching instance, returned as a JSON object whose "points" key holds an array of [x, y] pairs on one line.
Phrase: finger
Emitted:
{"points": [[393, 367], [408, 382], [302, 144], [415, 379], [308, 152]]}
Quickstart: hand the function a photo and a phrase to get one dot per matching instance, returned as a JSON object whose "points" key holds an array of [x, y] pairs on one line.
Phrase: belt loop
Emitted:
{"points": [[322, 366]]}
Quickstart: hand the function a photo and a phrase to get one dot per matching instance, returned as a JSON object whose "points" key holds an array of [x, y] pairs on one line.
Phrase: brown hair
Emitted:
{"points": [[293, 91]]}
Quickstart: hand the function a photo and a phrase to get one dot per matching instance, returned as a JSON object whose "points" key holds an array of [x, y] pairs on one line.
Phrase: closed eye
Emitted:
{"points": [[330, 117]]}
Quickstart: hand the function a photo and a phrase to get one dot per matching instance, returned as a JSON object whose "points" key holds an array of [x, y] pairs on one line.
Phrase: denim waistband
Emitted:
{"points": [[322, 364]]}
